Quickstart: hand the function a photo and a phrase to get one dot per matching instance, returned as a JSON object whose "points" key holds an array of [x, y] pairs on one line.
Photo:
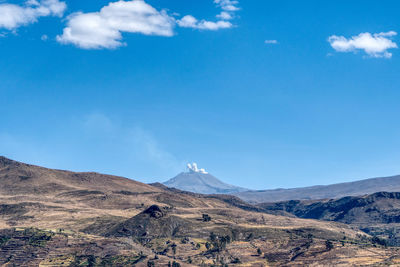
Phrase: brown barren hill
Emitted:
{"points": [[78, 219]]}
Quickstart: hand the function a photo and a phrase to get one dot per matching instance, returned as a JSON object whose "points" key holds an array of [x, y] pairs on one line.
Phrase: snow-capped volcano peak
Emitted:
{"points": [[193, 168], [199, 181]]}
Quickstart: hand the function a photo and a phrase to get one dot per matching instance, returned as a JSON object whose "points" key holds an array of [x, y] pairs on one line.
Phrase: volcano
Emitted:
{"points": [[199, 181]]}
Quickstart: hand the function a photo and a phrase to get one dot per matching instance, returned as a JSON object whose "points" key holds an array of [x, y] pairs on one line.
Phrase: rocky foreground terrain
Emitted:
{"points": [[60, 218]]}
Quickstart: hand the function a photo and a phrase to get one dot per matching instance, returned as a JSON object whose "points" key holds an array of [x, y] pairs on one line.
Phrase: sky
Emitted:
{"points": [[261, 94]]}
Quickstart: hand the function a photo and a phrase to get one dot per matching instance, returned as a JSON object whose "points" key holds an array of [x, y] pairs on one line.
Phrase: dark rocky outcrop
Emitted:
{"points": [[154, 211], [154, 222]]}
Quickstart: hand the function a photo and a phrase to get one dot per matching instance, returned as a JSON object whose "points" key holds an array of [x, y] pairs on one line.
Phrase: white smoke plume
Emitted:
{"points": [[193, 168]]}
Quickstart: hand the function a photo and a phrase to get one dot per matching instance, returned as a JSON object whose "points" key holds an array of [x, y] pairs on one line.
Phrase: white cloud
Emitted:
{"points": [[227, 5], [104, 29], [225, 15], [228, 8], [189, 21], [374, 45], [271, 42], [14, 16]]}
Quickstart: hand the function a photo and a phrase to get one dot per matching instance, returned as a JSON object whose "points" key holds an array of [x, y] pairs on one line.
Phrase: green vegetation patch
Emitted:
{"points": [[37, 238], [3, 240]]}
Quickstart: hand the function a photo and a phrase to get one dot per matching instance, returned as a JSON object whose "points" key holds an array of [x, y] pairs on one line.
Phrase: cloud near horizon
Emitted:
{"points": [[13, 16], [374, 45], [103, 29]]}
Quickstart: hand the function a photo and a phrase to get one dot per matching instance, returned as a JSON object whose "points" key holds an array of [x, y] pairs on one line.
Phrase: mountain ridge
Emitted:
{"points": [[332, 191]]}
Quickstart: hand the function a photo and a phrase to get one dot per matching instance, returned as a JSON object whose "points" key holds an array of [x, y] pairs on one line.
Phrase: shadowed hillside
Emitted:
{"points": [[378, 213]]}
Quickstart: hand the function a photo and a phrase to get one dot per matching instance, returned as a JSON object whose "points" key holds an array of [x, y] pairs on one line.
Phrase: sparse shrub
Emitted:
{"points": [[150, 264], [189, 260], [213, 237], [217, 243], [236, 261], [259, 252], [173, 246], [3, 240], [328, 245], [176, 264], [235, 234], [206, 217], [91, 260], [250, 236], [198, 246], [379, 241]]}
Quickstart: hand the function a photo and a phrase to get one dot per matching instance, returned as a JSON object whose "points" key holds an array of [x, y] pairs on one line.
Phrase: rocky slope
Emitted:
{"points": [[378, 213]]}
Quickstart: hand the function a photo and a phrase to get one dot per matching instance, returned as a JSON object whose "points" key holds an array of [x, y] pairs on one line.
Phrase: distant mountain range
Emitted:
{"points": [[199, 181], [334, 191]]}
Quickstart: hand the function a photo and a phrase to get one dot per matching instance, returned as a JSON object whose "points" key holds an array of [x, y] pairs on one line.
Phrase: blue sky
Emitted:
{"points": [[270, 94]]}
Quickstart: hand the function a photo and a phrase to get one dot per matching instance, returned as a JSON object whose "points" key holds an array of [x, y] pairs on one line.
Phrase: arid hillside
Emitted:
{"points": [[60, 218]]}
